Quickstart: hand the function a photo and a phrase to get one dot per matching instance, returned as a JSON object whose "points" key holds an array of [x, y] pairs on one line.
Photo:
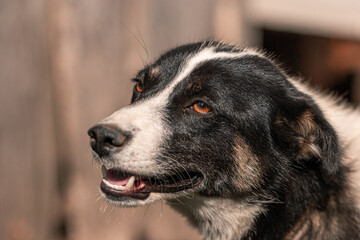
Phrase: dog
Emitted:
{"points": [[229, 140]]}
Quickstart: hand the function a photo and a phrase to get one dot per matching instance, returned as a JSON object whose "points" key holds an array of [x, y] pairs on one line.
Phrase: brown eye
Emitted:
{"points": [[201, 107], [139, 87]]}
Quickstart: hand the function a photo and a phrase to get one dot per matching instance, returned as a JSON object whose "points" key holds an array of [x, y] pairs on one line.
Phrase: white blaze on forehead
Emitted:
{"points": [[203, 56], [145, 119]]}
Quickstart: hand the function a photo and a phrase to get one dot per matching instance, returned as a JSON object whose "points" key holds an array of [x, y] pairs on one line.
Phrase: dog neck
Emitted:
{"points": [[218, 218]]}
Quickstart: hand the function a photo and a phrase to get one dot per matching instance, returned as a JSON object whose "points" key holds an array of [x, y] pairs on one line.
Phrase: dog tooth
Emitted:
{"points": [[103, 171], [130, 183], [117, 187], [122, 188]]}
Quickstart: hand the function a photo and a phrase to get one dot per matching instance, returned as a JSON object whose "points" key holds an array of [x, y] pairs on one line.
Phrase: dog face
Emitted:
{"points": [[211, 120]]}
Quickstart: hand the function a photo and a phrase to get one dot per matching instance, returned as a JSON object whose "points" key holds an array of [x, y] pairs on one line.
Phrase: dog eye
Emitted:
{"points": [[201, 107], [139, 87]]}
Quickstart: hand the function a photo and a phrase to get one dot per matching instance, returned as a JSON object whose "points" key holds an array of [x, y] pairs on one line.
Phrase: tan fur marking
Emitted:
{"points": [[306, 128], [248, 166], [154, 72], [306, 122], [300, 226], [193, 86]]}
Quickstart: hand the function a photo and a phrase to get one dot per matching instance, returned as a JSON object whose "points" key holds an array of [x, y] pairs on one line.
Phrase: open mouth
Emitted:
{"points": [[117, 184]]}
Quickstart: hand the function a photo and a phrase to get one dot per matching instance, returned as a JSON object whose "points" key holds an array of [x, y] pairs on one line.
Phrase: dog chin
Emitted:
{"points": [[132, 202]]}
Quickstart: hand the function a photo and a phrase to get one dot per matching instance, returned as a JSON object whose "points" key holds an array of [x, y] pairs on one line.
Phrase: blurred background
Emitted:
{"points": [[66, 64]]}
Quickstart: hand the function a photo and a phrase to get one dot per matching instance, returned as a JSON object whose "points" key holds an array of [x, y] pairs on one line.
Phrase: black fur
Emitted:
{"points": [[297, 151]]}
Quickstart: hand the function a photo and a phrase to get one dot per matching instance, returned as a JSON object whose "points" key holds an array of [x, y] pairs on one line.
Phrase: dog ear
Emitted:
{"points": [[302, 133]]}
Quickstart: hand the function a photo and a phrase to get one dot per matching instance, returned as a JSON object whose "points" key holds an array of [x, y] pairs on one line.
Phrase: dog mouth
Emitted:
{"points": [[117, 184]]}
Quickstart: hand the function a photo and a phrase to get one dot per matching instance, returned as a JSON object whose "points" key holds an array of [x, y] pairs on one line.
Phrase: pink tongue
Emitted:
{"points": [[116, 179]]}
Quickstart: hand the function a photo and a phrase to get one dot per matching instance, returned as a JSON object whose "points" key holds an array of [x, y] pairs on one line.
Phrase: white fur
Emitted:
{"points": [[219, 218], [144, 122]]}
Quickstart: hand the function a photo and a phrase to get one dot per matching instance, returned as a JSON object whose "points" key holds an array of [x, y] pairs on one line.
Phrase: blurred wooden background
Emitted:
{"points": [[66, 64]]}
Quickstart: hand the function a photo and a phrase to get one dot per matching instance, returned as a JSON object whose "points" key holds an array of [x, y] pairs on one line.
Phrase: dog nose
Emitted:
{"points": [[106, 139]]}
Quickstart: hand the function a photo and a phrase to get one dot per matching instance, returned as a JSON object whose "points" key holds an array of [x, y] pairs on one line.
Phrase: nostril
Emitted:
{"points": [[91, 132], [92, 135], [112, 142], [109, 141], [106, 139]]}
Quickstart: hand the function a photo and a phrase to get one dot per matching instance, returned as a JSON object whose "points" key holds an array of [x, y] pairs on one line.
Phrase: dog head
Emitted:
{"points": [[212, 120]]}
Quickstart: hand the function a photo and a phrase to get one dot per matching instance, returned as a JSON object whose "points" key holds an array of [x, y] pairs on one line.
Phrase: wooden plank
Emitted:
{"points": [[27, 163]]}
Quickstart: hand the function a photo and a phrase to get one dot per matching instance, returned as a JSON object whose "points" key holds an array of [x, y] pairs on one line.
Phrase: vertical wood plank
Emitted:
{"points": [[64, 59], [27, 161]]}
